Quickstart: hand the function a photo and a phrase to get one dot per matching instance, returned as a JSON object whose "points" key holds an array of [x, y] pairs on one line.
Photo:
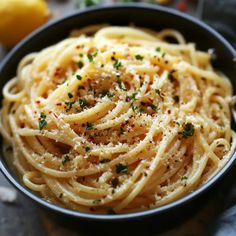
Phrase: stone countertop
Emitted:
{"points": [[24, 218]]}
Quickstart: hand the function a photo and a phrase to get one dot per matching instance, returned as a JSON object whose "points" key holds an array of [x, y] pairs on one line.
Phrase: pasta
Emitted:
{"points": [[117, 119]]}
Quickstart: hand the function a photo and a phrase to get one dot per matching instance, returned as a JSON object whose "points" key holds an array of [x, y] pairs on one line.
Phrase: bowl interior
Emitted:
{"points": [[148, 16]]}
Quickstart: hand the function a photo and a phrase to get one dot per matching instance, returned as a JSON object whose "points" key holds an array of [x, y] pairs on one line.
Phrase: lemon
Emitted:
{"points": [[20, 17]]}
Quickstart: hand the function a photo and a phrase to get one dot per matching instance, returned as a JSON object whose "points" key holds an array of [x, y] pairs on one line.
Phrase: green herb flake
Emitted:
{"points": [[97, 201], [117, 64], [184, 178], [110, 211], [69, 105], [89, 126], [78, 77], [70, 95], [171, 77], [80, 64], [158, 49], [176, 98], [154, 107], [133, 96], [82, 103], [92, 56], [121, 85], [134, 107], [163, 54], [106, 93], [61, 195], [160, 94], [122, 130], [139, 57], [188, 130], [87, 148], [65, 160], [81, 54], [115, 182], [42, 121], [105, 160], [120, 168]]}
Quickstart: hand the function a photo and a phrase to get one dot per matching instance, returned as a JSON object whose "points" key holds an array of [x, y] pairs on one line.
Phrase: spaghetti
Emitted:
{"points": [[118, 121]]}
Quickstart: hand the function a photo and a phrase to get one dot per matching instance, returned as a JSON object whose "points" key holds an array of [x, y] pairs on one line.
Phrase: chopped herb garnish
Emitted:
{"points": [[78, 77], [81, 87], [70, 95], [120, 84], [92, 56], [110, 211], [139, 57], [158, 49], [81, 54], [163, 54], [134, 108], [154, 107], [96, 201], [122, 130], [61, 195], [69, 104], [117, 64], [87, 148], [176, 98], [115, 182], [184, 178], [89, 3], [63, 81], [122, 169], [66, 159], [188, 130], [160, 94], [82, 103], [171, 77], [80, 64], [105, 160], [42, 121], [106, 93], [89, 126], [133, 96]]}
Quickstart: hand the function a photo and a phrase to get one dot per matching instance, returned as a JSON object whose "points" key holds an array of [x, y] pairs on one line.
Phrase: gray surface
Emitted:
{"points": [[23, 218]]}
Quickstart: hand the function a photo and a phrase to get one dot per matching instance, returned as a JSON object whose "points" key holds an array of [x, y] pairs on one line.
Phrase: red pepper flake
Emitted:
{"points": [[168, 111], [58, 104], [78, 46], [37, 102], [182, 6]]}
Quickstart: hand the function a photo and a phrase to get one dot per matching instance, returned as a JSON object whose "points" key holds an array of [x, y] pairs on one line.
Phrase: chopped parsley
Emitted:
{"points": [[134, 107], [106, 93], [82, 103], [110, 211], [139, 57], [120, 168], [96, 201], [69, 105], [104, 160], [92, 56], [171, 77], [42, 121], [120, 84], [61, 195], [117, 64], [80, 64], [115, 182], [163, 54], [87, 148], [184, 178], [89, 3], [122, 130], [133, 96], [81, 54], [158, 49], [188, 130], [65, 160], [89, 126], [176, 98], [81, 87], [154, 107], [70, 95], [78, 77], [160, 94]]}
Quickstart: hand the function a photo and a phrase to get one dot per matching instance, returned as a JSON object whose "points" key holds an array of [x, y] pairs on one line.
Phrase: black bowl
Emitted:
{"points": [[149, 16]]}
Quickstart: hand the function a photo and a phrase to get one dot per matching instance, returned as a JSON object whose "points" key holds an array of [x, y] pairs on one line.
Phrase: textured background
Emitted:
{"points": [[217, 217]]}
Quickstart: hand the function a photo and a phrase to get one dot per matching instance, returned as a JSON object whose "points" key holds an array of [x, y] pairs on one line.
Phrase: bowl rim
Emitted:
{"points": [[132, 215]]}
